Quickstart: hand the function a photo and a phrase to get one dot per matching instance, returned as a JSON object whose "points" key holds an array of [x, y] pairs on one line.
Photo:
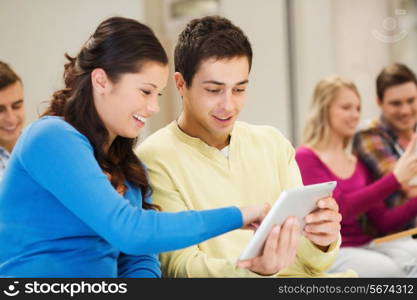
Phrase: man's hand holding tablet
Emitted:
{"points": [[274, 245]]}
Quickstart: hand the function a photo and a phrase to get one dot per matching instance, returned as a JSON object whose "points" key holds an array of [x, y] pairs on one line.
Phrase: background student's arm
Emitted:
{"points": [[388, 219], [351, 203]]}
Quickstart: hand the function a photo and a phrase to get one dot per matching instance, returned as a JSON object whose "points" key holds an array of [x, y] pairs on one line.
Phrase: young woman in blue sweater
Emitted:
{"points": [[75, 200]]}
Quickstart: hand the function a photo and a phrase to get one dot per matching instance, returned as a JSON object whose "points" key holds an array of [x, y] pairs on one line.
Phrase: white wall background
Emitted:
{"points": [[335, 37], [34, 35], [330, 36], [264, 24]]}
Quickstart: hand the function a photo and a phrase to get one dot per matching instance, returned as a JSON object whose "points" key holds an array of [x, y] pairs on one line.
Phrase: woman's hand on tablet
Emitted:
{"points": [[279, 251], [323, 225], [254, 214]]}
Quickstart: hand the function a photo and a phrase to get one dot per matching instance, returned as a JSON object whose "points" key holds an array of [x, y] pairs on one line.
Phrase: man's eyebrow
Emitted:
{"points": [[17, 102], [395, 101], [13, 104], [243, 82], [214, 82], [221, 83]]}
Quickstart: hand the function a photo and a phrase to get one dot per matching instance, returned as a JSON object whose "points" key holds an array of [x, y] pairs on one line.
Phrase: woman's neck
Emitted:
{"points": [[333, 143], [110, 139]]}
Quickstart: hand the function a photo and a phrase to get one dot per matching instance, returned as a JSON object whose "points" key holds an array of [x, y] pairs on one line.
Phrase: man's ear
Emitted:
{"points": [[179, 82], [100, 82]]}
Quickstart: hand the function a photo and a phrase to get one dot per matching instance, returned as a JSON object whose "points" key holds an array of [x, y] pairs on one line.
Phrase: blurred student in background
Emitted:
{"points": [[382, 143], [12, 112], [325, 156]]}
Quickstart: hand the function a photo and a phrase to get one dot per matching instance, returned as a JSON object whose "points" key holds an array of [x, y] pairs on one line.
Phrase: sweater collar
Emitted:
{"points": [[198, 143]]}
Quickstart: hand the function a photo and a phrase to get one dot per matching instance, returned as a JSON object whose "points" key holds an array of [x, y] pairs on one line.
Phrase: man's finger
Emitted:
{"points": [[323, 215], [328, 203], [320, 239], [271, 243], [293, 244], [327, 228]]}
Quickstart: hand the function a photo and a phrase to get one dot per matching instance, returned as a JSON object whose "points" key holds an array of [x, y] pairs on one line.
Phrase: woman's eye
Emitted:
{"points": [[146, 92]]}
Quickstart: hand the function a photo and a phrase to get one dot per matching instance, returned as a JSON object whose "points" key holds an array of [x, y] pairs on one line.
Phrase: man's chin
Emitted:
{"points": [[8, 137], [404, 127]]}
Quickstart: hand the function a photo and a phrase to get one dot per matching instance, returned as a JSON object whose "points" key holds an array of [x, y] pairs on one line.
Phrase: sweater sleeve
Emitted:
{"points": [[388, 219], [61, 160], [192, 261], [351, 204], [138, 266]]}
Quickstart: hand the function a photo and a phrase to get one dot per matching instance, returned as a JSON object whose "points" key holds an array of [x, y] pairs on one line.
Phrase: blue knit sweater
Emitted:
{"points": [[61, 217]]}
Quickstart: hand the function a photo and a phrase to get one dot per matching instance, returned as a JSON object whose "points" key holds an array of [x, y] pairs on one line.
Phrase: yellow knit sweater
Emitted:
{"points": [[187, 174]]}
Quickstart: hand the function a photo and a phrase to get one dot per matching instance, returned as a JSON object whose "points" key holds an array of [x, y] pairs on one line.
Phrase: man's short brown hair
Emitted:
{"points": [[209, 37], [7, 76], [391, 75]]}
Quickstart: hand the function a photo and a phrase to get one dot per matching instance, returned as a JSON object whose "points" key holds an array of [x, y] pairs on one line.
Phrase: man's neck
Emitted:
{"points": [[8, 146], [404, 137], [194, 130]]}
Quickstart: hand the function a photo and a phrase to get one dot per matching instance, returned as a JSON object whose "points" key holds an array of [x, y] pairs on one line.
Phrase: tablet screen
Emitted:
{"points": [[297, 202]]}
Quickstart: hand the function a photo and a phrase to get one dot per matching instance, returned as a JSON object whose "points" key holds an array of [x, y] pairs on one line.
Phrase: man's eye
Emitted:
{"points": [[146, 92], [213, 91]]}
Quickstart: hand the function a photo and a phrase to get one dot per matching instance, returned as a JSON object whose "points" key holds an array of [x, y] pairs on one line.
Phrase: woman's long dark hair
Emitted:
{"points": [[118, 46]]}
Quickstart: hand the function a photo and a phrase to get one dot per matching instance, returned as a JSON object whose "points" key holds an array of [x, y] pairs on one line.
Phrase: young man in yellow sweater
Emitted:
{"points": [[207, 159]]}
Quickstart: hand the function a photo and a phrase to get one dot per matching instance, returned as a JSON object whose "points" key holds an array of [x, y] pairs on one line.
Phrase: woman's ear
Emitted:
{"points": [[100, 82]]}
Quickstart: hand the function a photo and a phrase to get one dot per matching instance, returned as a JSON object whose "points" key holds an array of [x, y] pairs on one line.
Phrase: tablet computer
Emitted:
{"points": [[297, 202]]}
